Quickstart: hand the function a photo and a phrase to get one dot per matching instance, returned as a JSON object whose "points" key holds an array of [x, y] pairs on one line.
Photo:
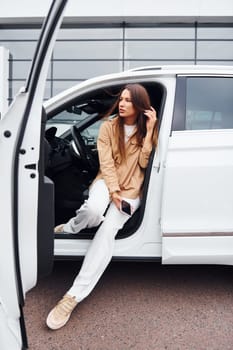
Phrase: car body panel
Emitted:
{"points": [[197, 221], [20, 128], [197, 205], [177, 155]]}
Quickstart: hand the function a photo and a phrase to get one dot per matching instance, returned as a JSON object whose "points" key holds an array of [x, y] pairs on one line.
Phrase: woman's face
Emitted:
{"points": [[126, 107]]}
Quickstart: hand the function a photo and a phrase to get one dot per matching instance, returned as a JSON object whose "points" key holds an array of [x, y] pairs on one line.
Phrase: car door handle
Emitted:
{"points": [[157, 167]]}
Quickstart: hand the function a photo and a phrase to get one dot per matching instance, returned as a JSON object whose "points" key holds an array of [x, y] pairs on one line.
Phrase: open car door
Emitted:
{"points": [[26, 196]]}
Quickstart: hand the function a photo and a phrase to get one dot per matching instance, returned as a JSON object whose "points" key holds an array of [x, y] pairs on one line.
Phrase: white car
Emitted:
{"points": [[186, 216]]}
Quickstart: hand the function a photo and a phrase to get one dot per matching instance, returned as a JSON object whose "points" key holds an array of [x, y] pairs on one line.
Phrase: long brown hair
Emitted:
{"points": [[141, 102]]}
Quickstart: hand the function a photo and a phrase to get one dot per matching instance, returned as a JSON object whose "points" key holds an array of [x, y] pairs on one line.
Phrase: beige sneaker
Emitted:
{"points": [[59, 228], [60, 314]]}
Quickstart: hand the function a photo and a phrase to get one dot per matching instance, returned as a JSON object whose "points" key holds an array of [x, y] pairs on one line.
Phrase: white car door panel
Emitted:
{"points": [[199, 167], [197, 205], [21, 153], [198, 198]]}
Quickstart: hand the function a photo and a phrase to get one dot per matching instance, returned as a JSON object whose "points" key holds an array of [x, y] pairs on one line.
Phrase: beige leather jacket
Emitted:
{"points": [[123, 176]]}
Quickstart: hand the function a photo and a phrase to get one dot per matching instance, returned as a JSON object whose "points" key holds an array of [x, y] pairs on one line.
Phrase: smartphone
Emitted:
{"points": [[125, 208]]}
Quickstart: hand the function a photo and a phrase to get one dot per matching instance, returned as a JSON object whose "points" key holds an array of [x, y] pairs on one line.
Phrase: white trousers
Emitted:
{"points": [[100, 251]]}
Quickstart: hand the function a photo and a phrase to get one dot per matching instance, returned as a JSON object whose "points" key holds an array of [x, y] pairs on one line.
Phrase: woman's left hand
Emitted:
{"points": [[151, 118]]}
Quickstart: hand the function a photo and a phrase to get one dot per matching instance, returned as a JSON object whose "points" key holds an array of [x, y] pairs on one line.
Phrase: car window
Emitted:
{"points": [[87, 112], [209, 103], [90, 134], [65, 119]]}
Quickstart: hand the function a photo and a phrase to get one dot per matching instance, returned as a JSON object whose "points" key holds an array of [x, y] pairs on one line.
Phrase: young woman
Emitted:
{"points": [[124, 146]]}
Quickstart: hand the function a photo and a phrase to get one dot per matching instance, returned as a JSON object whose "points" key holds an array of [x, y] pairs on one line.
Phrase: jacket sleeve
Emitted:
{"points": [[107, 164], [144, 155]]}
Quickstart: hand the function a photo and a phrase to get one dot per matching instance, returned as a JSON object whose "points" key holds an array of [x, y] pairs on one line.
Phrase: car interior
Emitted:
{"points": [[72, 157]]}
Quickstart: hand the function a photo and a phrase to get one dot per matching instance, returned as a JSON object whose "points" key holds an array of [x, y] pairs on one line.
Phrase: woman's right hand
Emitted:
{"points": [[116, 198]]}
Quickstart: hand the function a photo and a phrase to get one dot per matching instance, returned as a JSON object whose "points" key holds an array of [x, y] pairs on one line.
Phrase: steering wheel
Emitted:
{"points": [[86, 155]]}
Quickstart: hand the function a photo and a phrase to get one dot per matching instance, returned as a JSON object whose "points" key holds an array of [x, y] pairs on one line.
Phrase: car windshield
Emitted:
{"points": [[78, 114], [65, 119]]}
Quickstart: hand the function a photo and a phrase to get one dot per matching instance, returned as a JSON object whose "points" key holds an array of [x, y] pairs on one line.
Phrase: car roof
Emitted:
{"points": [[141, 73], [184, 68]]}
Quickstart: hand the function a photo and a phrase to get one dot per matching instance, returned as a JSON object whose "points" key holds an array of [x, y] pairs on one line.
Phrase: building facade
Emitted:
{"points": [[105, 36]]}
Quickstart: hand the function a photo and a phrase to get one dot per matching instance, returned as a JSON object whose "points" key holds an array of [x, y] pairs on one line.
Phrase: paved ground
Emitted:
{"points": [[139, 306]]}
